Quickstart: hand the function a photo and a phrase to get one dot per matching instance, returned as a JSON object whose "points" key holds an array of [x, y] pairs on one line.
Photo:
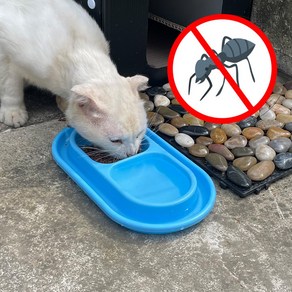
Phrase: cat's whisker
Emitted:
{"points": [[82, 155], [95, 148], [150, 125], [93, 151], [149, 122], [100, 155], [88, 147], [154, 128], [97, 154], [271, 106]]}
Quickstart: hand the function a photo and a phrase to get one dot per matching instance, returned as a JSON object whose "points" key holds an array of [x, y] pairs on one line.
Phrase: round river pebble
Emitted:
{"points": [[143, 96], [265, 125], [152, 91], [284, 118], [267, 114], [178, 122], [204, 140], [170, 95], [217, 161], [198, 150], [288, 126], [194, 131], [166, 87], [167, 112], [184, 140], [248, 122], [221, 149], [193, 121], [218, 136], [245, 163], [281, 144], [178, 108], [242, 151], [288, 94], [161, 100], [149, 106], [261, 170], [211, 126], [236, 141], [252, 132], [265, 152], [231, 129], [280, 109], [274, 99], [174, 101], [283, 160], [238, 177], [154, 119], [255, 142], [168, 129], [275, 132], [287, 103]]}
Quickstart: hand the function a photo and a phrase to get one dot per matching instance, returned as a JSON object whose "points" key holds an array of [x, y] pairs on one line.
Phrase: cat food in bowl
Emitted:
{"points": [[158, 190]]}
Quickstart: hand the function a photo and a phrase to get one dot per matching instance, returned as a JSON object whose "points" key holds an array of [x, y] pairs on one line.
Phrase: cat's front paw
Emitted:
{"points": [[15, 117]]}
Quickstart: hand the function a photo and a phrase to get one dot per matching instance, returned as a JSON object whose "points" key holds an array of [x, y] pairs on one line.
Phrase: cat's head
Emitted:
{"points": [[110, 114]]}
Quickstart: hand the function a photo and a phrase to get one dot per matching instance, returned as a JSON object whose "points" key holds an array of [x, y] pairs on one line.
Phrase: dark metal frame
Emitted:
{"points": [[125, 25]]}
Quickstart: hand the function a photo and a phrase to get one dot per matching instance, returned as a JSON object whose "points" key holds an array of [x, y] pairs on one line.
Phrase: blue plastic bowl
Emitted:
{"points": [[156, 191]]}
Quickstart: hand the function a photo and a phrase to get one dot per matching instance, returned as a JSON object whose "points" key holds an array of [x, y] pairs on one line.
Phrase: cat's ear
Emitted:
{"points": [[84, 98], [138, 82]]}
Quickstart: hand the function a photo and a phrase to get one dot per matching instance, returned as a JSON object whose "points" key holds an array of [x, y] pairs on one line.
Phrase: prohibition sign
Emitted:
{"points": [[222, 68]]}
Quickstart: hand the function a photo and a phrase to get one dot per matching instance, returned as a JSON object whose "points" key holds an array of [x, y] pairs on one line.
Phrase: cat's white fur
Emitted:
{"points": [[56, 45]]}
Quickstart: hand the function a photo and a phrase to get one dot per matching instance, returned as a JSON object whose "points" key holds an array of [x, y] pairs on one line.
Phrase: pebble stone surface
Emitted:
{"points": [[245, 152], [184, 140]]}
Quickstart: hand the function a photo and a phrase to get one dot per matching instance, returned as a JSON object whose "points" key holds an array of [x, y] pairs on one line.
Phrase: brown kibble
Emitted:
{"points": [[98, 155]]}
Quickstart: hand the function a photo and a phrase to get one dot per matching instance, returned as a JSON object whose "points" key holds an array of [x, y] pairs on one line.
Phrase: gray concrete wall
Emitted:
{"points": [[274, 17]]}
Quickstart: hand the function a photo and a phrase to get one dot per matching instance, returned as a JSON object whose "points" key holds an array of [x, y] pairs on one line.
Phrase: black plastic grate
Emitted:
{"points": [[224, 182]]}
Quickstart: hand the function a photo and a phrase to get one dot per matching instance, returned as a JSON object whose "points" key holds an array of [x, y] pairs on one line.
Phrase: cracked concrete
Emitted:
{"points": [[53, 238]]}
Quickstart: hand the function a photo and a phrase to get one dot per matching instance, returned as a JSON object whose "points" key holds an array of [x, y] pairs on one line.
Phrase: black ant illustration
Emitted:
{"points": [[234, 51]]}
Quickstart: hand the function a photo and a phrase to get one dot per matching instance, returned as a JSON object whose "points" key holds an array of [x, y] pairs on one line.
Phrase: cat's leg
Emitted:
{"points": [[12, 110]]}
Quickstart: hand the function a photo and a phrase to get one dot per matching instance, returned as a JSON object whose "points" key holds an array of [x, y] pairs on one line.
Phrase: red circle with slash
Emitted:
{"points": [[176, 77]]}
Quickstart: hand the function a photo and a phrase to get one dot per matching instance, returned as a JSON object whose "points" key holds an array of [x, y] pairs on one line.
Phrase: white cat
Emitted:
{"points": [[56, 45]]}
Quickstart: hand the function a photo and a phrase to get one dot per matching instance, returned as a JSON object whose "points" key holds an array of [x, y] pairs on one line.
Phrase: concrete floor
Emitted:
{"points": [[53, 238]]}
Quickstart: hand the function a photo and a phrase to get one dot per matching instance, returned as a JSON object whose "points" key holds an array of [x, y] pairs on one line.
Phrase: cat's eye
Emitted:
{"points": [[116, 141]]}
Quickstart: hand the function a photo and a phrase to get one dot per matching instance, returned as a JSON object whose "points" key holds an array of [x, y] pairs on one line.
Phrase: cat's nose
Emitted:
{"points": [[129, 154], [131, 151]]}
